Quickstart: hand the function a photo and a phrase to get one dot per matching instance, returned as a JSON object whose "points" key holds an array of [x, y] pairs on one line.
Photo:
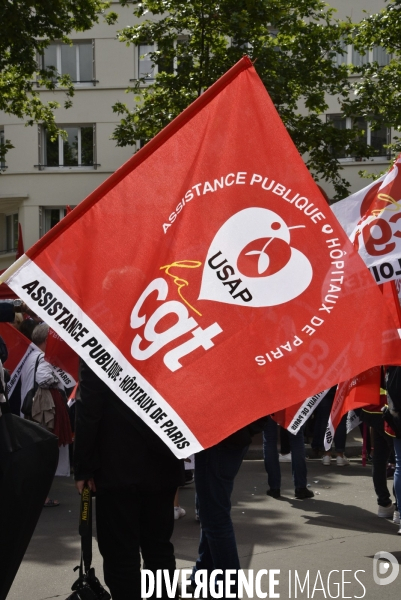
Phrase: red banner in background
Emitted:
{"points": [[363, 390], [294, 417], [207, 271], [19, 348], [358, 392], [62, 356]]}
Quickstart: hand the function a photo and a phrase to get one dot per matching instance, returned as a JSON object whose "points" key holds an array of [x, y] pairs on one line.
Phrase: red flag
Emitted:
{"points": [[19, 348], [364, 390], [390, 294], [371, 218], [207, 271], [293, 417], [6, 293], [358, 392], [63, 358], [20, 246]]}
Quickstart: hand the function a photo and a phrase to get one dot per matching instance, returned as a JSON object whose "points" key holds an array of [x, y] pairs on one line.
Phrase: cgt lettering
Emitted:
{"points": [[184, 324], [224, 273]]}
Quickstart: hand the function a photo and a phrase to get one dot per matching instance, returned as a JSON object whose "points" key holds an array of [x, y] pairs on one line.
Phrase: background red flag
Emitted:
{"points": [[20, 246], [19, 347], [363, 390], [293, 417], [208, 272], [358, 392], [61, 355]]}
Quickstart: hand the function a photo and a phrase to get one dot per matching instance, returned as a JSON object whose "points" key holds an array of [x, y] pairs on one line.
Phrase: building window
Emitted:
{"points": [[49, 217], [77, 150], [380, 56], [351, 56], [358, 59], [2, 142], [147, 68], [76, 61], [378, 139], [11, 232]]}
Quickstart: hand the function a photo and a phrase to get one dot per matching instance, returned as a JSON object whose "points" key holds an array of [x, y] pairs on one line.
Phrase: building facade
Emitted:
{"points": [[41, 177]]}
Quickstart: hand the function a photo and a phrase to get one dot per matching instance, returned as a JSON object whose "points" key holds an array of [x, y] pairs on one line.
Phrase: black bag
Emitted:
{"points": [[393, 418], [392, 412], [28, 461], [393, 387], [26, 407], [87, 586], [3, 350]]}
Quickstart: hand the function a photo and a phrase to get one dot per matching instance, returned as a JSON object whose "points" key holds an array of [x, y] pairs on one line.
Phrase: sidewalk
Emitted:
{"points": [[336, 531]]}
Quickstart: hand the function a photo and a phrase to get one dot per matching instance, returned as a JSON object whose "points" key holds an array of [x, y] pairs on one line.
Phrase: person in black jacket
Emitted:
{"points": [[392, 415], [135, 477]]}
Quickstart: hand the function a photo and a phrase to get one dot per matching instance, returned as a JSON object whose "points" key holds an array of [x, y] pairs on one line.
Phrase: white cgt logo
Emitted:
{"points": [[251, 263]]}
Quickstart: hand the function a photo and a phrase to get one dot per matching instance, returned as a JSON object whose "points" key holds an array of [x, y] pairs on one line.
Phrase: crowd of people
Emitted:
{"points": [[136, 478]]}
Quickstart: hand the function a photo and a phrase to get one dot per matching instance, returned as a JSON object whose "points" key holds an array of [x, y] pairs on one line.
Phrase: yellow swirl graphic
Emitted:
{"points": [[180, 283], [395, 206]]}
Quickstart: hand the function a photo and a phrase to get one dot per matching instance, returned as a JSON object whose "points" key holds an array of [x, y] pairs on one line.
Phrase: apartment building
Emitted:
{"points": [[40, 177]]}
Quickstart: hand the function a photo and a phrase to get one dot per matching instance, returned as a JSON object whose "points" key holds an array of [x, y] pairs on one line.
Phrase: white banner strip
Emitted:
{"points": [[16, 374], [305, 411], [352, 420], [329, 435], [64, 378], [68, 320]]}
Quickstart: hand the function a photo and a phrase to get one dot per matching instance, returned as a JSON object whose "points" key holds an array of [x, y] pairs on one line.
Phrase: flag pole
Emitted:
{"points": [[13, 268]]}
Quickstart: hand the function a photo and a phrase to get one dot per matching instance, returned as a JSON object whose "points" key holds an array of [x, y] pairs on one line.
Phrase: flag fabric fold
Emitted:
{"points": [[208, 273]]}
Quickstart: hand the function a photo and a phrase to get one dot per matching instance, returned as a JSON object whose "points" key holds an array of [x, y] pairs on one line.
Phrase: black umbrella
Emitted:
{"points": [[28, 461]]}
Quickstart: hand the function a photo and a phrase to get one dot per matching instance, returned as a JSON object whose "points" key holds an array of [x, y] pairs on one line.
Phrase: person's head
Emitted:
{"points": [[39, 335], [26, 328]]}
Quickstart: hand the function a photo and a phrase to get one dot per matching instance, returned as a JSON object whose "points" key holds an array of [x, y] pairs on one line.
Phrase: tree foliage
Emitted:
{"points": [[294, 44], [377, 90], [27, 27]]}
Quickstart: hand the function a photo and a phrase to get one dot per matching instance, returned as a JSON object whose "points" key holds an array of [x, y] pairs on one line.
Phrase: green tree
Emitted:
{"points": [[295, 45], [27, 28], [377, 95]]}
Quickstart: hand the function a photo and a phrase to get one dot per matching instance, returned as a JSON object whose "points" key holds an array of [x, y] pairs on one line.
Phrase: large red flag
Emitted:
{"points": [[207, 281]]}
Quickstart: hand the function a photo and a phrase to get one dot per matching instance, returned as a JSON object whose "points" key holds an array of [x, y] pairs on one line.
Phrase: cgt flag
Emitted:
{"points": [[371, 218], [209, 283]]}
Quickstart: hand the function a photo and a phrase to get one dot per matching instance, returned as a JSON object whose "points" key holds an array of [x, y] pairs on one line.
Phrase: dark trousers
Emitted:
{"points": [[272, 464], [129, 520], [382, 449], [215, 471], [322, 414]]}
